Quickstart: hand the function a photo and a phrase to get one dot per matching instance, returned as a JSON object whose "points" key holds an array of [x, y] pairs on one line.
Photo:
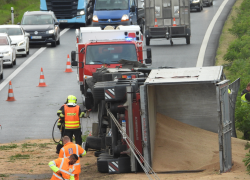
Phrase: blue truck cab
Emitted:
{"points": [[69, 11], [112, 12]]}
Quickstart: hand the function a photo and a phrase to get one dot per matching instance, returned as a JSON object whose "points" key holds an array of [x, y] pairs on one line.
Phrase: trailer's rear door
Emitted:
{"points": [[225, 126], [163, 12]]}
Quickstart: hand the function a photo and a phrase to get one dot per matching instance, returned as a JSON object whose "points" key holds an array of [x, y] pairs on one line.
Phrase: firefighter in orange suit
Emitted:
{"points": [[70, 113], [63, 168], [71, 148]]}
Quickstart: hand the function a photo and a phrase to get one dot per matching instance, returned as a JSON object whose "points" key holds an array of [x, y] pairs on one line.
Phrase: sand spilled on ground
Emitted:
{"points": [[179, 146]]}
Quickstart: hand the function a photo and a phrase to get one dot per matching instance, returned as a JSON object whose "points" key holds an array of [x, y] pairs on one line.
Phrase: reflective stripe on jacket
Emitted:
{"points": [[71, 116], [243, 99], [71, 148], [66, 169]]}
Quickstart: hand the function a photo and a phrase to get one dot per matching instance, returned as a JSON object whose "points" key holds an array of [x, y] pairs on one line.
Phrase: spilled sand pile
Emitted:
{"points": [[180, 147]]}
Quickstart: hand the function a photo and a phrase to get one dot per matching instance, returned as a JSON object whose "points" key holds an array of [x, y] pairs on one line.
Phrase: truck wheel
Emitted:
{"points": [[102, 165], [124, 164], [188, 39], [94, 142], [147, 41], [97, 153]]}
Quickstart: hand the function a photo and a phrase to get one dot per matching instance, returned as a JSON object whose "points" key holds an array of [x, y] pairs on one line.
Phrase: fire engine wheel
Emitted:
{"points": [[188, 39], [147, 41], [94, 142]]}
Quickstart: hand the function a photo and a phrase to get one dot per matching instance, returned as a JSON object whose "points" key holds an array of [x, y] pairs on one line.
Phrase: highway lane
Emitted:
{"points": [[183, 55], [33, 113]]}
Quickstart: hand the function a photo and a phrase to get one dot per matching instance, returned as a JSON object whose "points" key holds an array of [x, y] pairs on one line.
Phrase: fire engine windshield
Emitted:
{"points": [[110, 53], [111, 5]]}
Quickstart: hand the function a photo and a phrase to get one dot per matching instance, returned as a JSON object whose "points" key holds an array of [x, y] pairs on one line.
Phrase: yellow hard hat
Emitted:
{"points": [[71, 99]]}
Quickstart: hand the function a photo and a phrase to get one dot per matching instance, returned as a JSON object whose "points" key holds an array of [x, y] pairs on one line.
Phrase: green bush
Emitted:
{"points": [[241, 24], [238, 49]]}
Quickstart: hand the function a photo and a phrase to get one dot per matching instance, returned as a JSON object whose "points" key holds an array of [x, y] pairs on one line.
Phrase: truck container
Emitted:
{"points": [[167, 19], [132, 106]]}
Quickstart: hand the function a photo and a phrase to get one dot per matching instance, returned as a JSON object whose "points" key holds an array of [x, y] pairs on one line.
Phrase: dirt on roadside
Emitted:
{"points": [[40, 152]]}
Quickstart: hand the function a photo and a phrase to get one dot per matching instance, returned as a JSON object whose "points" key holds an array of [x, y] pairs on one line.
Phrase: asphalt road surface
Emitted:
{"points": [[33, 114]]}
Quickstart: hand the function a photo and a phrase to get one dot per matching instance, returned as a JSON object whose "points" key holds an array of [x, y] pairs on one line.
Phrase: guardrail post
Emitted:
{"points": [[12, 15]]}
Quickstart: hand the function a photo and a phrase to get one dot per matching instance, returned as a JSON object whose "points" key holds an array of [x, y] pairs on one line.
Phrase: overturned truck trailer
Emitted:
{"points": [[194, 96], [167, 114]]}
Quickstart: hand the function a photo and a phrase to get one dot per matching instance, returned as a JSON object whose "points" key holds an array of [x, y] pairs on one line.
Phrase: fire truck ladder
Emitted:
{"points": [[133, 148]]}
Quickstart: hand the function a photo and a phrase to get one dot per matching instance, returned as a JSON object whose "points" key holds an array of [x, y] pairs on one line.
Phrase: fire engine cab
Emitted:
{"points": [[97, 48]]}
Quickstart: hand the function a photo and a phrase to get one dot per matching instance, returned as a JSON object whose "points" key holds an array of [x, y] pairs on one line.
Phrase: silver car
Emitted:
{"points": [[7, 49], [18, 37]]}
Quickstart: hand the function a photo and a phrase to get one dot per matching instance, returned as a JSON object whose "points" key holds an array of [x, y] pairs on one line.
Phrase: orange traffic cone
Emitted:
{"points": [[68, 65], [10, 93], [156, 25], [174, 23], [41, 80]]}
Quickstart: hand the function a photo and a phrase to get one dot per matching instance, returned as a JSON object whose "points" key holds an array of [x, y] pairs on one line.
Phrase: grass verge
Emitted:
{"points": [[19, 156], [226, 37], [20, 6], [8, 147]]}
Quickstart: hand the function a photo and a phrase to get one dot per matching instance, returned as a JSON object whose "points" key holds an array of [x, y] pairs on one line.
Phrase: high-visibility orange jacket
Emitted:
{"points": [[71, 148], [62, 165], [71, 116]]}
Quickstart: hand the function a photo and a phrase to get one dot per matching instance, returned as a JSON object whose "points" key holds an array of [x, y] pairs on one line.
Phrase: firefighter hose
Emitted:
{"points": [[53, 130]]}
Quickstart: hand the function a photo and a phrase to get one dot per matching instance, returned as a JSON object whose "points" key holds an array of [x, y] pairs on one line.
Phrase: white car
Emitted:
{"points": [[1, 66], [18, 37], [7, 50]]}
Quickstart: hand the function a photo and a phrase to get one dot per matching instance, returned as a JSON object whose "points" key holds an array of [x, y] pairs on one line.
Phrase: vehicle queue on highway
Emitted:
{"points": [[42, 27]]}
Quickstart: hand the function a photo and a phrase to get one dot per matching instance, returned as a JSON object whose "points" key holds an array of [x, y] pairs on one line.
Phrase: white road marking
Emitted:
{"points": [[207, 35], [22, 66]]}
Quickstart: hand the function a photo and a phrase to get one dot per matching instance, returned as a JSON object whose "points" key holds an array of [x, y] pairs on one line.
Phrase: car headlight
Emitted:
{"points": [[81, 12], [125, 17], [6, 53], [50, 31], [95, 18], [21, 43], [196, 1]]}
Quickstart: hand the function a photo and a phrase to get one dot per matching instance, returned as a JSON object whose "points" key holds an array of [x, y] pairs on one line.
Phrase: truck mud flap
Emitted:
{"points": [[114, 165]]}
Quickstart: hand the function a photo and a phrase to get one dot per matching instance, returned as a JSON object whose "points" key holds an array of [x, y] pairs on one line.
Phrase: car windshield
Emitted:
{"points": [[3, 41], [110, 54], [37, 19], [12, 31], [111, 5]]}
